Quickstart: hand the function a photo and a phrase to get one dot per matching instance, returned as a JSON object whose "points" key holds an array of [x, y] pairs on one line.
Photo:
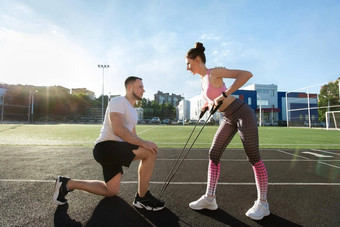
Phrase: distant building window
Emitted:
{"points": [[249, 100], [263, 91], [262, 102], [272, 93]]}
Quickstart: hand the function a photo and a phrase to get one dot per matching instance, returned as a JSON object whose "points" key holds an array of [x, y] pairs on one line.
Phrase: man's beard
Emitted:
{"points": [[136, 96]]}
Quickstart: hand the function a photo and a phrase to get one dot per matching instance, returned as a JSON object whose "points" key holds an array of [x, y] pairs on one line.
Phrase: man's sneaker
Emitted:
{"points": [[148, 202], [203, 203], [60, 190], [258, 211]]}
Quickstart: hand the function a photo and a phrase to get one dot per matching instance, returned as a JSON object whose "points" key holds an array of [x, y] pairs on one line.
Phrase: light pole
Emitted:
{"points": [[2, 107], [32, 108], [260, 110], [103, 67]]}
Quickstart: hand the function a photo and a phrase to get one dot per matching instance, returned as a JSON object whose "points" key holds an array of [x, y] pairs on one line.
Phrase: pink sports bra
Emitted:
{"points": [[208, 91]]}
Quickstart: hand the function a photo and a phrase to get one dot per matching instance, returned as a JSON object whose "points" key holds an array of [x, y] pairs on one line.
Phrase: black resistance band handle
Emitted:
{"points": [[203, 112], [213, 110]]}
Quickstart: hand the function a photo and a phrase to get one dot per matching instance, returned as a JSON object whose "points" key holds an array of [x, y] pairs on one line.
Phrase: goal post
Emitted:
{"points": [[306, 107], [301, 106], [332, 120]]}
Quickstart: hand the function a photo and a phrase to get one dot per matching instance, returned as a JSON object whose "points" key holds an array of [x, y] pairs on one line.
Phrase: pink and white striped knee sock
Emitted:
{"points": [[261, 179], [213, 175]]}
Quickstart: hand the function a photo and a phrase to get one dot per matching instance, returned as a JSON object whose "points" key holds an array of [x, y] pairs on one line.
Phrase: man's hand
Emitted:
{"points": [[150, 146]]}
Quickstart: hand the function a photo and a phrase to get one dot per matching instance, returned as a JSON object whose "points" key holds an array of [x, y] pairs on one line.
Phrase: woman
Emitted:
{"points": [[237, 116]]}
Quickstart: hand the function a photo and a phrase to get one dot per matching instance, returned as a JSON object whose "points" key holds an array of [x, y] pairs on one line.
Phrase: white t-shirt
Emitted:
{"points": [[118, 105]]}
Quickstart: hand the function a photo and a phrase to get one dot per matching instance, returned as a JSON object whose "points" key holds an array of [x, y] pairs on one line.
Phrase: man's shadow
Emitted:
{"points": [[164, 217], [225, 218], [62, 219], [115, 211]]}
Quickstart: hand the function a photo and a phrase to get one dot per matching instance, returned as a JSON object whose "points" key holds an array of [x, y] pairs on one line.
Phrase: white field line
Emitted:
{"points": [[186, 183], [293, 154], [146, 130], [317, 154], [322, 162], [328, 152]]}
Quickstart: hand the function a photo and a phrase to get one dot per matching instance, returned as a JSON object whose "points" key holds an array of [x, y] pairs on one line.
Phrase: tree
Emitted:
{"points": [[154, 109], [329, 96]]}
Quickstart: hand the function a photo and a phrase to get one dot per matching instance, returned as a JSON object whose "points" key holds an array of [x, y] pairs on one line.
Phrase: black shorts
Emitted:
{"points": [[113, 155]]}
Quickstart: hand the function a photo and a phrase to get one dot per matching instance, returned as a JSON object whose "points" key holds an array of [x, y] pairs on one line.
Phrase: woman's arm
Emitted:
{"points": [[241, 77]]}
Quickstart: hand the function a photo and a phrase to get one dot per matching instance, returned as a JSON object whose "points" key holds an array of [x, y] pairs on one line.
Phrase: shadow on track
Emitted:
{"points": [[274, 220], [227, 219], [61, 218], [222, 216], [115, 211], [164, 217]]}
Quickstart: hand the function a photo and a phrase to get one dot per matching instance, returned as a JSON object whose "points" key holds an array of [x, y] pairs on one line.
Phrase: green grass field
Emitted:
{"points": [[164, 136]]}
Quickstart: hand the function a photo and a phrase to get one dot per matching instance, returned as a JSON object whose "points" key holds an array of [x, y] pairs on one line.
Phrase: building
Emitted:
{"points": [[196, 106], [268, 103], [183, 109], [272, 104], [140, 113], [163, 98]]}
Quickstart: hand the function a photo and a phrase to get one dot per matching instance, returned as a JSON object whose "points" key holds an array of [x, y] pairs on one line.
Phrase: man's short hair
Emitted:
{"points": [[131, 79]]}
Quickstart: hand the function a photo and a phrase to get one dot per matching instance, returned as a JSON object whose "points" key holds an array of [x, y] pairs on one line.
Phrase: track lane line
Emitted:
{"points": [[184, 183]]}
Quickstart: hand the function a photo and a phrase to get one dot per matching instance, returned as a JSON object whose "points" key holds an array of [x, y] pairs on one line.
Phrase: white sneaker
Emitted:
{"points": [[258, 211], [203, 203]]}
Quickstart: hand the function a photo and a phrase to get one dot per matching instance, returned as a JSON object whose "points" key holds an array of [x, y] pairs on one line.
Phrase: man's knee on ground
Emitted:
{"points": [[112, 192]]}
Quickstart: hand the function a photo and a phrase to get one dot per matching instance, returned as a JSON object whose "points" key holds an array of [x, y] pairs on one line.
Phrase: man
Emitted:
{"points": [[118, 145]]}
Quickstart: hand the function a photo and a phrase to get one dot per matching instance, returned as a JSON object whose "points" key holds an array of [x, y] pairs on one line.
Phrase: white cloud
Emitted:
{"points": [[209, 37]]}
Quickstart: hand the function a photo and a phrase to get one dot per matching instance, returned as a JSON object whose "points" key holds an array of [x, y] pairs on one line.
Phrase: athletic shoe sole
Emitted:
{"points": [[56, 192], [259, 218], [141, 206], [202, 208]]}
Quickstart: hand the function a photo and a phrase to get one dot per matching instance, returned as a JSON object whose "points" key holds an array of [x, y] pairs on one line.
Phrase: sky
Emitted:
{"points": [[290, 43]]}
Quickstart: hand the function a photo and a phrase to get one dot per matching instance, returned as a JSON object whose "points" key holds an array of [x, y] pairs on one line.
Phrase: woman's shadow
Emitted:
{"points": [[225, 218], [115, 211]]}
